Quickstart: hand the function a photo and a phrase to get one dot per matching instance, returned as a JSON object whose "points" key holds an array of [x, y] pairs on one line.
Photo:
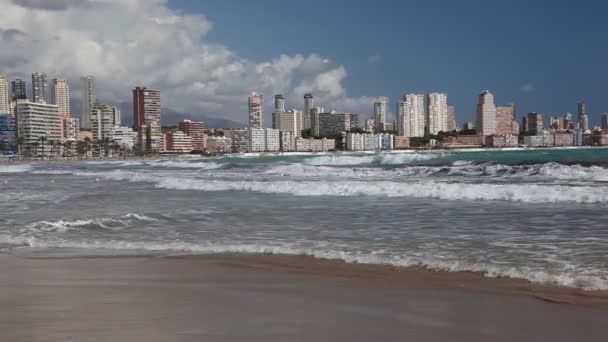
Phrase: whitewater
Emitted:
{"points": [[538, 215]]}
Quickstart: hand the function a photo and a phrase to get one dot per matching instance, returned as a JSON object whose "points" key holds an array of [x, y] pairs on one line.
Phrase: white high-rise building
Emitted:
{"points": [[309, 104], [411, 115], [380, 115], [123, 136], [486, 114], [61, 95], [4, 97], [437, 112], [102, 121], [38, 124], [256, 110], [272, 139], [88, 100]]}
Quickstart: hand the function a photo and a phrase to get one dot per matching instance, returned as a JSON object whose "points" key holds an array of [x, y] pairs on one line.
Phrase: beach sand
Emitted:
{"points": [[274, 298]]}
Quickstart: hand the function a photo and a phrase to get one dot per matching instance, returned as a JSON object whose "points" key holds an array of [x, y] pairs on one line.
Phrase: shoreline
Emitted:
{"points": [[16, 160], [234, 298], [310, 265]]}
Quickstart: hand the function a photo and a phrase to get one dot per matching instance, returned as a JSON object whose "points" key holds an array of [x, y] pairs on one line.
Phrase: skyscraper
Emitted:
{"points": [[61, 95], [256, 110], [451, 118], [88, 100], [279, 108], [411, 115], [605, 121], [4, 108], [146, 118], [535, 123], [437, 112], [19, 89], [380, 115], [309, 104], [504, 120], [583, 119], [40, 93], [486, 114]]}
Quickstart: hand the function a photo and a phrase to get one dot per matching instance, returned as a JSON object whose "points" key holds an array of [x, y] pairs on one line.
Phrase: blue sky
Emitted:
{"points": [[543, 55]]}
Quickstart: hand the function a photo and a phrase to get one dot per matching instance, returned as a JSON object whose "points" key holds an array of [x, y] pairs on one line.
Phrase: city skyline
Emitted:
{"points": [[311, 66]]}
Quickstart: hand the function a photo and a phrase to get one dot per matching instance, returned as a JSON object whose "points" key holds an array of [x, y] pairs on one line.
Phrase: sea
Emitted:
{"points": [[538, 215]]}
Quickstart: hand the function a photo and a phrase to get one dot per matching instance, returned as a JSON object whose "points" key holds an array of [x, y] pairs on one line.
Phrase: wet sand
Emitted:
{"points": [[270, 298]]}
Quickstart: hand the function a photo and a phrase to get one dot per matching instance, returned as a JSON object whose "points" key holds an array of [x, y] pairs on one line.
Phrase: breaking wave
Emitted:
{"points": [[111, 223], [376, 159], [16, 168], [567, 277]]}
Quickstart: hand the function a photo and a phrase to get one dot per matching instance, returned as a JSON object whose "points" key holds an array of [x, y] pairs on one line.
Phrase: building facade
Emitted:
{"points": [[451, 118], [88, 100], [380, 115], [279, 109], [178, 141], [7, 134], [102, 120], [123, 136], [535, 123], [334, 123], [196, 131], [255, 103], [147, 118], [37, 124], [309, 104], [219, 145], [71, 128], [19, 89], [61, 95], [486, 114], [4, 97], [411, 115], [583, 119], [436, 113], [40, 93]]}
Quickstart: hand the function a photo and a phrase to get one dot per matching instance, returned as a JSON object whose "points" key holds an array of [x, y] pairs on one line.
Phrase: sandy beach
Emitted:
{"points": [[274, 298]]}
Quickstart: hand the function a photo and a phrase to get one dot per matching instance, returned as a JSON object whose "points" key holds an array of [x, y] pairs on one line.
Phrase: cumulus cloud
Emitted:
{"points": [[125, 43]]}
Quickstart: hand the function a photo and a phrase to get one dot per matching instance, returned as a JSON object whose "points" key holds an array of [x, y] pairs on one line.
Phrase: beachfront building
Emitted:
{"points": [[71, 128], [4, 97], [40, 93], [123, 136], [332, 123], [196, 131], [451, 118], [314, 145], [178, 141], [380, 115], [436, 113], [240, 140], [504, 120], [255, 103], [369, 142], [88, 100], [61, 96], [272, 139], [486, 114], [291, 121], [411, 115], [103, 118], [219, 145], [37, 125], [7, 134], [147, 118]]}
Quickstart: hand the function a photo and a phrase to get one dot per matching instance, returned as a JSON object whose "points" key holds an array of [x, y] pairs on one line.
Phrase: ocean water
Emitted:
{"points": [[540, 215]]}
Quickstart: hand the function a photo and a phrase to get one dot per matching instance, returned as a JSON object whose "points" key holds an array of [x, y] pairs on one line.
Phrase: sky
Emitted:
{"points": [[206, 56]]}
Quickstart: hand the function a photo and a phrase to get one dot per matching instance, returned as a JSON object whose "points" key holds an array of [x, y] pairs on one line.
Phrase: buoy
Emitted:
{"points": [[97, 180], [210, 174]]}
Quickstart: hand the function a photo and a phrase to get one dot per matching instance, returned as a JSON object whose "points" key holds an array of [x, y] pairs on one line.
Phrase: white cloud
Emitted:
{"points": [[528, 87], [125, 43]]}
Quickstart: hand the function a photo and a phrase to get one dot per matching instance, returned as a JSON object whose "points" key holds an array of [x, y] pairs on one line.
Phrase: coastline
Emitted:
{"points": [[231, 297]]}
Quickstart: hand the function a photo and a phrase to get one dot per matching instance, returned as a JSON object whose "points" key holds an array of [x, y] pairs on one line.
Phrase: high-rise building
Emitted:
{"points": [[309, 104], [40, 93], [71, 128], [380, 115], [535, 123], [486, 114], [146, 118], [61, 95], [451, 118], [504, 120], [436, 113], [568, 123], [605, 121], [123, 136], [524, 125], [411, 115], [102, 120], [334, 123], [88, 100], [279, 109], [4, 98], [314, 120], [196, 131], [7, 134], [37, 125], [256, 110], [291, 122], [19, 89], [583, 119]]}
